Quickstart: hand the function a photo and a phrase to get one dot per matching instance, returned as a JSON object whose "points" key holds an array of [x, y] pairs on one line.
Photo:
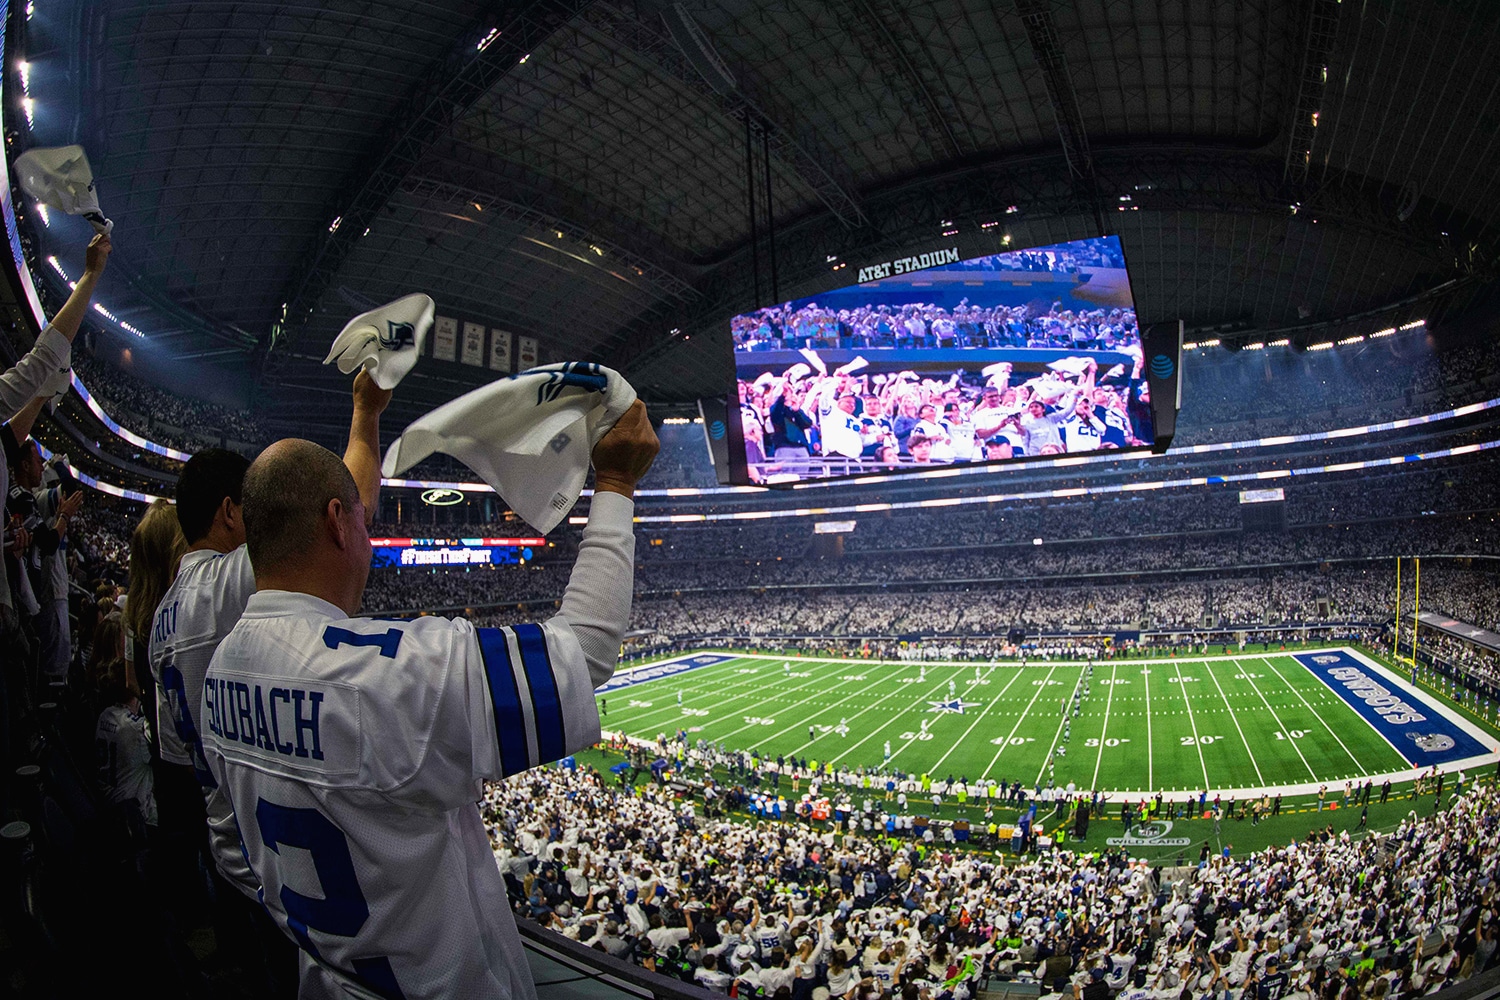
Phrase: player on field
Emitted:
{"points": [[353, 750]]}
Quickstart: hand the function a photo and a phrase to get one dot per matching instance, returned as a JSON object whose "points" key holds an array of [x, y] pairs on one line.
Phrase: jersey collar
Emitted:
{"points": [[283, 603]]}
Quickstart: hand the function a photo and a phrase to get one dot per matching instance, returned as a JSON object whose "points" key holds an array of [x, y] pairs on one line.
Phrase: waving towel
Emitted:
{"points": [[529, 436], [60, 177], [387, 341]]}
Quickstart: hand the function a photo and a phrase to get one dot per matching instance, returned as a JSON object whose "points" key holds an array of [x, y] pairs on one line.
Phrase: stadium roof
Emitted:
{"points": [[576, 171]]}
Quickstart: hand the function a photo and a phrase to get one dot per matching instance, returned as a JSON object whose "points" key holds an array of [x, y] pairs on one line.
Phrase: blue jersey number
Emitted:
{"points": [[388, 641], [175, 686], [342, 911]]}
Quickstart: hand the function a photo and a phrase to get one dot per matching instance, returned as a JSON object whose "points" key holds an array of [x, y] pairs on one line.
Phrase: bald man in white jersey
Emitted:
{"points": [[213, 584], [353, 751]]}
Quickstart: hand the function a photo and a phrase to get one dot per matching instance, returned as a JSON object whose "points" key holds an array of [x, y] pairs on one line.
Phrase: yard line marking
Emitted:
{"points": [[1234, 717], [959, 742], [1357, 765], [1114, 671], [741, 697], [649, 717], [1254, 687], [878, 729], [818, 708], [666, 711], [1191, 722], [1150, 763], [1039, 689]]}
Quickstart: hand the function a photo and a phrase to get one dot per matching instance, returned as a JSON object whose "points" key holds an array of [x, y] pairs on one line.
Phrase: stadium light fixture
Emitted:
{"points": [[41, 210], [487, 40], [1283, 342], [1388, 331], [1257, 346], [1351, 340], [1412, 325], [29, 106], [1325, 345], [24, 68]]}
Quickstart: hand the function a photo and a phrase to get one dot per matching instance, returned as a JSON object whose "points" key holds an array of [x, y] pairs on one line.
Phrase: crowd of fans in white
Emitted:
{"points": [[802, 909], [166, 417]]}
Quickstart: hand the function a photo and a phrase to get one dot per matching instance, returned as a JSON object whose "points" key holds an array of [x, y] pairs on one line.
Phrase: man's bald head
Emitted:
{"points": [[286, 496]]}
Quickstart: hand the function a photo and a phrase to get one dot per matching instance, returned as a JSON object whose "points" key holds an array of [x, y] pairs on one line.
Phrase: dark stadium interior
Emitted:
{"points": [[1312, 188]]}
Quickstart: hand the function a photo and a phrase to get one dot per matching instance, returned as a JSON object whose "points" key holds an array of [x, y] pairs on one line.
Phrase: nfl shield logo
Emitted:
{"points": [[398, 335]]}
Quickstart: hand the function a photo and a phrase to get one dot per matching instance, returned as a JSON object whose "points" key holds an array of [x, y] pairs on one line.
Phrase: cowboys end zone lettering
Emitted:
{"points": [[658, 670], [905, 265], [1419, 732]]}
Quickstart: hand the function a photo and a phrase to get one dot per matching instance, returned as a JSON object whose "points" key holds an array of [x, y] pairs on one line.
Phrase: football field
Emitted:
{"points": [[1218, 723]]}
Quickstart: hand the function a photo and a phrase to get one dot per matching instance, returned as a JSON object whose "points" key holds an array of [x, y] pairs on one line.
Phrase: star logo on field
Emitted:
{"points": [[955, 705]]}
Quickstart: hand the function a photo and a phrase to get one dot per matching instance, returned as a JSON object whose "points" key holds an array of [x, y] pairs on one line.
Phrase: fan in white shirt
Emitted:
{"points": [[352, 751]]}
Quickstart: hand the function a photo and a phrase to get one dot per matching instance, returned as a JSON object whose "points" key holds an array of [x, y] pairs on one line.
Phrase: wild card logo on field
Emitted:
{"points": [[1324, 659], [1152, 834], [1432, 742]]}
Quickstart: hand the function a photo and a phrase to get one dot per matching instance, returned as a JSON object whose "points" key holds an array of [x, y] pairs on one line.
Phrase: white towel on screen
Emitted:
{"points": [[529, 436], [387, 341], [60, 177]]}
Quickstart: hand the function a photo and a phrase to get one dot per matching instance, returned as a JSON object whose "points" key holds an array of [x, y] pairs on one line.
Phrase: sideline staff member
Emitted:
{"points": [[352, 750]]}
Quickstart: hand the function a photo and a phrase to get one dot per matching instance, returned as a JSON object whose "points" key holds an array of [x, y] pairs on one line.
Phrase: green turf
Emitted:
{"points": [[1248, 721]]}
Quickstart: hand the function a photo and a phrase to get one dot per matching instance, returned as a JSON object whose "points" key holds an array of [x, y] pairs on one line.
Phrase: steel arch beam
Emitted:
{"points": [[749, 98], [449, 90], [1157, 179]]}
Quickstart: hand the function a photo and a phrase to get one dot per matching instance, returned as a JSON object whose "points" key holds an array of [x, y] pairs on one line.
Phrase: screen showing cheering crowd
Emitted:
{"points": [[932, 361]]}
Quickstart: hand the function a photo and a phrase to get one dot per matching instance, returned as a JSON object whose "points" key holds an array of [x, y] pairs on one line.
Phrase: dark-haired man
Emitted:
{"points": [[353, 750], [214, 582]]}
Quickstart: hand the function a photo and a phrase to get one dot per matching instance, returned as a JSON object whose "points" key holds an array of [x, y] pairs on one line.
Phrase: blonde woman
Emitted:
{"points": [[155, 547]]}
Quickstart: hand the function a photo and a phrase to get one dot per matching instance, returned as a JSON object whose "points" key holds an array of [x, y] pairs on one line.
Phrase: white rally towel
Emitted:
{"points": [[61, 178], [530, 436], [56, 387], [386, 341]]}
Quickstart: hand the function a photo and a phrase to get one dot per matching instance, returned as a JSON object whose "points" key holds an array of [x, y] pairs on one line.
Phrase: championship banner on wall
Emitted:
{"points": [[499, 350], [526, 352], [473, 353], [445, 338]]}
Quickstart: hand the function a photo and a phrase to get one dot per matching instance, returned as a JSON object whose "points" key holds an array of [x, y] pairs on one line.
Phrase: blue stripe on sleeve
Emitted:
{"points": [[551, 740], [510, 728]]}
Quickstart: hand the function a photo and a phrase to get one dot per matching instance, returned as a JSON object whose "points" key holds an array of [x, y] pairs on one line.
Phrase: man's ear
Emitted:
{"points": [[333, 523], [231, 513]]}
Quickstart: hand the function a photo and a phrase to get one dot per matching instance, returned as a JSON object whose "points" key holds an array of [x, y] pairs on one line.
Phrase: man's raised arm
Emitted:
{"points": [[362, 455], [597, 602], [52, 351]]}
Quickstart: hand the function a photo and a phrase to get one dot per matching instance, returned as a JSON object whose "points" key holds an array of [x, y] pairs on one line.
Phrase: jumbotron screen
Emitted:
{"points": [[931, 361], [400, 553]]}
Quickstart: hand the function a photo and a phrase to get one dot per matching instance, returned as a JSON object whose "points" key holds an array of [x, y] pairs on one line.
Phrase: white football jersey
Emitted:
{"points": [[353, 752], [1082, 433], [194, 616], [122, 741]]}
